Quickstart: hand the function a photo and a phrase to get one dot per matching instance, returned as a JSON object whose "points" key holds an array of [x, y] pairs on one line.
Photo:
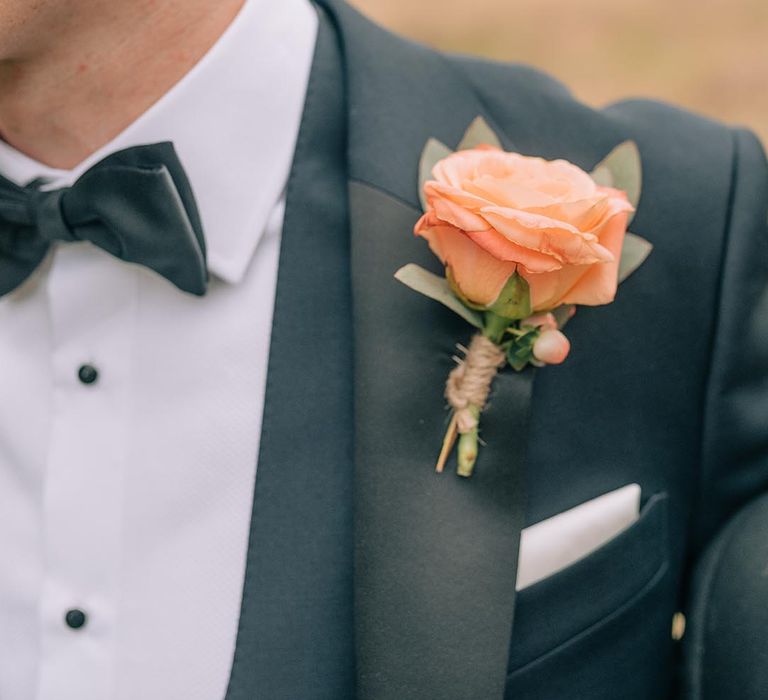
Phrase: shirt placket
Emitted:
{"points": [[92, 302]]}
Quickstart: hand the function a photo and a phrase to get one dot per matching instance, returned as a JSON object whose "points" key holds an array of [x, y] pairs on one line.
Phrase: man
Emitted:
{"points": [[218, 435]]}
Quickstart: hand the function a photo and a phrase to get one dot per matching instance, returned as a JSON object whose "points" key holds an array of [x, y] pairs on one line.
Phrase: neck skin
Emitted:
{"points": [[92, 67]]}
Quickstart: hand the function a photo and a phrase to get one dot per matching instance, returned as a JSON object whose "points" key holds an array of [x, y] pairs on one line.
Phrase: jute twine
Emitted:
{"points": [[469, 383]]}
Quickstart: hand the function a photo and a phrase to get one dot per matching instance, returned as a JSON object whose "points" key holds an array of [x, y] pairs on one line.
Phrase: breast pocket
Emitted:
{"points": [[570, 627]]}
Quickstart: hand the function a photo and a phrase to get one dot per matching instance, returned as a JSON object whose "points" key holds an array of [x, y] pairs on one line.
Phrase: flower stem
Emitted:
{"points": [[494, 327], [467, 450], [448, 442]]}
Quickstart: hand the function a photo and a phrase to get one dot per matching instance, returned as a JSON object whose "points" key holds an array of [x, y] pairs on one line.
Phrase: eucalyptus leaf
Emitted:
{"points": [[437, 288], [478, 134], [633, 254], [433, 152], [514, 301], [602, 176], [622, 169]]}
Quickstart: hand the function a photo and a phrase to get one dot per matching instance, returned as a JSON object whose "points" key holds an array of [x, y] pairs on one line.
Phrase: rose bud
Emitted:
{"points": [[551, 347]]}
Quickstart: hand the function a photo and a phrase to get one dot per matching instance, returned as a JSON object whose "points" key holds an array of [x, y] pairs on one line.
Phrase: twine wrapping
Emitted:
{"points": [[469, 383]]}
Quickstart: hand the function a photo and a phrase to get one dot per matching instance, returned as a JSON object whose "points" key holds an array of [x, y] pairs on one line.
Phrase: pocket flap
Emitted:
{"points": [[550, 612]]}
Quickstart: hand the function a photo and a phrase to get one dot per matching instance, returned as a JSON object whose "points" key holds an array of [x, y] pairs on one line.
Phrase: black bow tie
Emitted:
{"points": [[136, 204]]}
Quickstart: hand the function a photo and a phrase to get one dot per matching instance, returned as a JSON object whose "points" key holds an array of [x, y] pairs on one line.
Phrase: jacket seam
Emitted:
{"points": [[709, 388], [385, 191], [455, 68]]}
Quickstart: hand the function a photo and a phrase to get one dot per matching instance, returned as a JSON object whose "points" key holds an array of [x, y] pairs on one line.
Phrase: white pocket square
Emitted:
{"points": [[556, 543]]}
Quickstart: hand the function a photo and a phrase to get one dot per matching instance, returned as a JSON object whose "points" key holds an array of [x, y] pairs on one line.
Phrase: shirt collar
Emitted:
{"points": [[234, 120]]}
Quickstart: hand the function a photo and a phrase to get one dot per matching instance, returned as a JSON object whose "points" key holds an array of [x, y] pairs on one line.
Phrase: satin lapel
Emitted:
{"points": [[295, 634], [436, 556]]}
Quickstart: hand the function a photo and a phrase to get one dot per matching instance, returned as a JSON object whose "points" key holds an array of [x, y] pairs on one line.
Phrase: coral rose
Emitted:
{"points": [[491, 213]]}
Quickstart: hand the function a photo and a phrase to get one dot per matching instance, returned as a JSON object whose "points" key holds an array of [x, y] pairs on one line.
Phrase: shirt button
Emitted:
{"points": [[75, 618], [87, 374]]}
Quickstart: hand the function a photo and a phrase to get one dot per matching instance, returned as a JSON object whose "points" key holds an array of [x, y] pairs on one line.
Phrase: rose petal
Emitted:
{"points": [[514, 194], [549, 288], [464, 198], [479, 276], [558, 239], [598, 284], [503, 249], [458, 216]]}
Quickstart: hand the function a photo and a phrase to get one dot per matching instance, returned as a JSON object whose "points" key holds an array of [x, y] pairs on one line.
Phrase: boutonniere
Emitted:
{"points": [[524, 241]]}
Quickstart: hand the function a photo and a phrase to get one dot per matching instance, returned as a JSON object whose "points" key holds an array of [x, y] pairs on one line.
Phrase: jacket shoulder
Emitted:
{"points": [[688, 160], [540, 109]]}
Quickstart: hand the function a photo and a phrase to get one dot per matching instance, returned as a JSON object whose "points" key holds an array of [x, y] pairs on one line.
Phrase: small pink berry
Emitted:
{"points": [[551, 347], [541, 320]]}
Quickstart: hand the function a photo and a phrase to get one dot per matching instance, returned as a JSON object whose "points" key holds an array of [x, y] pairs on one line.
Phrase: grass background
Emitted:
{"points": [[710, 56]]}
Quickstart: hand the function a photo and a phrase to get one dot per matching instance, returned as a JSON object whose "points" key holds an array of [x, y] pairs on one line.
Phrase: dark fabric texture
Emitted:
{"points": [[726, 650], [667, 387], [295, 638], [136, 204]]}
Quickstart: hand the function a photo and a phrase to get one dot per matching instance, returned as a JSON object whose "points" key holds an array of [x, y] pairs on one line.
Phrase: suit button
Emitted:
{"points": [[678, 626], [75, 618]]}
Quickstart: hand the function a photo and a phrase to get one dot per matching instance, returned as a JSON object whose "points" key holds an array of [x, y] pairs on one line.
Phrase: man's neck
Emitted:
{"points": [[62, 102]]}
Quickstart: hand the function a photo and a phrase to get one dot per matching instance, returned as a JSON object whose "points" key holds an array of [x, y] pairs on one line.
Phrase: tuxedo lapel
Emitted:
{"points": [[435, 556], [295, 634]]}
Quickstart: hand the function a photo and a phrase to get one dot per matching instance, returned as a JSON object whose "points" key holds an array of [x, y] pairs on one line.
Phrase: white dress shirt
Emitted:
{"points": [[129, 498]]}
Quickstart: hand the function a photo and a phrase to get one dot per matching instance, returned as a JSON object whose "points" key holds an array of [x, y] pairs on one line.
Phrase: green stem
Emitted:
{"points": [[494, 327], [468, 445]]}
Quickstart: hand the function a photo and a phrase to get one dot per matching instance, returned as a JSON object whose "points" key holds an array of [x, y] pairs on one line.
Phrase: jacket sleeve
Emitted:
{"points": [[734, 458], [726, 646]]}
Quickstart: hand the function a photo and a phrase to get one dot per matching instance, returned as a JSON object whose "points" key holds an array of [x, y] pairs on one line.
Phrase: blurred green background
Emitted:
{"points": [[710, 56]]}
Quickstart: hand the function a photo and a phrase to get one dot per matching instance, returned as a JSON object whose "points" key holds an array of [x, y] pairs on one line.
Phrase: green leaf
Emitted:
{"points": [[517, 364], [622, 169], [433, 152], [527, 340], [633, 254], [518, 357], [495, 326], [437, 288], [478, 134], [514, 301]]}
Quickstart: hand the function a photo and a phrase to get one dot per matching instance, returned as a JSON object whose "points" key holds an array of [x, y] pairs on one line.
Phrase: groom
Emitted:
{"points": [[220, 410]]}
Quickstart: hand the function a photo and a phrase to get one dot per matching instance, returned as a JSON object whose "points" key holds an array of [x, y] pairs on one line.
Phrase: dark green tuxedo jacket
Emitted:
{"points": [[369, 576]]}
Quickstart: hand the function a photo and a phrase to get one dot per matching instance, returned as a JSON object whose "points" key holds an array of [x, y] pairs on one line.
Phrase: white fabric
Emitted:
{"points": [[553, 544], [130, 498]]}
